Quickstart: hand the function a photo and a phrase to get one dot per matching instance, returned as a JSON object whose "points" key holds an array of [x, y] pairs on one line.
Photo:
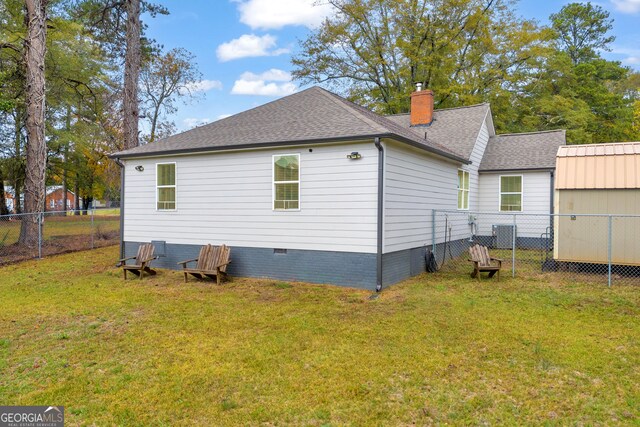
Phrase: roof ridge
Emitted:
{"points": [[342, 102], [530, 133]]}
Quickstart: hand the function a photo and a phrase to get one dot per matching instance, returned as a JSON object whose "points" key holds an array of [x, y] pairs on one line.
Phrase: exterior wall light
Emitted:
{"points": [[140, 168], [354, 156]]}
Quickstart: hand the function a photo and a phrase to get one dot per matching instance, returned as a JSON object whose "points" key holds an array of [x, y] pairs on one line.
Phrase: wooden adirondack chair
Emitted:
{"points": [[482, 262], [142, 261], [212, 263]]}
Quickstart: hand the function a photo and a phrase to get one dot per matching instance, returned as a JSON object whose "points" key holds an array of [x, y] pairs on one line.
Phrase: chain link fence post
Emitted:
{"points": [[433, 232], [513, 249], [93, 229], [40, 225]]}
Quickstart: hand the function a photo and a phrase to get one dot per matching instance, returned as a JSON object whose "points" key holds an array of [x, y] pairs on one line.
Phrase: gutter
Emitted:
{"points": [[119, 163], [552, 199], [378, 145], [516, 170]]}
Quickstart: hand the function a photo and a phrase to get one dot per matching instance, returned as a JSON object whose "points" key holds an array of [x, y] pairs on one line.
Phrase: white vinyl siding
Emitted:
{"points": [[537, 200], [415, 183], [476, 159], [227, 197]]}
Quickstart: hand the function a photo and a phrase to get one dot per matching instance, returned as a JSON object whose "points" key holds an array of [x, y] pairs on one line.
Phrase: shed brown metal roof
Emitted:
{"points": [[598, 166]]}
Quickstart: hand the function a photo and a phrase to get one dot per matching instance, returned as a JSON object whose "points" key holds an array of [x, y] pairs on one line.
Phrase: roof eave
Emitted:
{"points": [[124, 155], [539, 169], [355, 138]]}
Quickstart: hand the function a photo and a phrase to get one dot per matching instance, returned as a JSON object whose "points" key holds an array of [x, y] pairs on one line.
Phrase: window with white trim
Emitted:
{"points": [[511, 193], [166, 186], [463, 189], [286, 182]]}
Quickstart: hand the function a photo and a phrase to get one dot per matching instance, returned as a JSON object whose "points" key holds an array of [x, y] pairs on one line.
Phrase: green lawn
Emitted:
{"points": [[60, 234], [438, 349], [56, 227]]}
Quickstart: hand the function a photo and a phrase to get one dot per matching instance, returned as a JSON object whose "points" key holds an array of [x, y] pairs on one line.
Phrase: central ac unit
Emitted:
{"points": [[504, 235]]}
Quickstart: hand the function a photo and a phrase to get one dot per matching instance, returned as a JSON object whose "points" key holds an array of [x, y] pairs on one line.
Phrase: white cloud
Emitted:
{"points": [[632, 55], [203, 85], [249, 45], [272, 74], [223, 116], [192, 122], [275, 14], [627, 6], [273, 82]]}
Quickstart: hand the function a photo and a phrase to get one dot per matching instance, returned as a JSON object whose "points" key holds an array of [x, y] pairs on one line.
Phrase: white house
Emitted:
{"points": [[312, 187]]}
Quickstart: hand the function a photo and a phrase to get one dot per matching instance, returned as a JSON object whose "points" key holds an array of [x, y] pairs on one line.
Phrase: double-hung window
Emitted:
{"points": [[286, 182], [463, 190], [166, 186], [511, 193]]}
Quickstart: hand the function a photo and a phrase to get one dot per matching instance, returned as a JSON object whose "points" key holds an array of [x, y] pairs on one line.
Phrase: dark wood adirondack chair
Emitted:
{"points": [[142, 261], [212, 263], [483, 262]]}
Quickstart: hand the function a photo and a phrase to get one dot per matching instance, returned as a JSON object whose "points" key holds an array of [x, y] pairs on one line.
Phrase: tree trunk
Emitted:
{"points": [[3, 202], [76, 189], [86, 204], [154, 124], [65, 165], [131, 75], [35, 47], [16, 169]]}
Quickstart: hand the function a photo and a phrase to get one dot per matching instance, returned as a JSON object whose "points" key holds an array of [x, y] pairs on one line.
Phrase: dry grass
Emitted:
{"points": [[437, 349], [61, 234]]}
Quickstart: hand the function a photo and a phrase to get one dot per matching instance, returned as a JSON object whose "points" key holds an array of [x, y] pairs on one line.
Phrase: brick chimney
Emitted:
{"points": [[421, 106]]}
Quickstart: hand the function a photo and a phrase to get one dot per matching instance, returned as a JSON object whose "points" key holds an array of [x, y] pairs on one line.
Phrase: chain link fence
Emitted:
{"points": [[585, 248], [56, 233]]}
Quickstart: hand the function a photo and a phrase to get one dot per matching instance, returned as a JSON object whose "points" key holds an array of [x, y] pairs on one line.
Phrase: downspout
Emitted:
{"points": [[119, 163], [380, 213], [551, 206]]}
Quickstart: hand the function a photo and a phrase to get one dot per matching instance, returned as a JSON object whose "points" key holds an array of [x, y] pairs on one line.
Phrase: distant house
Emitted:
{"points": [[9, 199], [596, 181], [54, 200], [312, 187]]}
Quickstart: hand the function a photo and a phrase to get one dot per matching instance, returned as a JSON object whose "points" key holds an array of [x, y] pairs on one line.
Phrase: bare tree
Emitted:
{"points": [[165, 79], [131, 74], [34, 52]]}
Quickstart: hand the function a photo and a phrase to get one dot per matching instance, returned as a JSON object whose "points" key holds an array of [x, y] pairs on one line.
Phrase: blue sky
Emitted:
{"points": [[243, 47]]}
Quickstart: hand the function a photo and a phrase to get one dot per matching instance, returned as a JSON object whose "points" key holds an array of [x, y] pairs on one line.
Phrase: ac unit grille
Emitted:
{"points": [[503, 235]]}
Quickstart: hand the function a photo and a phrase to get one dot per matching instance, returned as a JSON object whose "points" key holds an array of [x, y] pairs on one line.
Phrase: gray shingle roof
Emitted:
{"points": [[535, 150], [454, 128], [310, 115]]}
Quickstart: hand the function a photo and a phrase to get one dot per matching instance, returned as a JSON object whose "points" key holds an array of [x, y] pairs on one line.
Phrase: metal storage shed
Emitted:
{"points": [[599, 181]]}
